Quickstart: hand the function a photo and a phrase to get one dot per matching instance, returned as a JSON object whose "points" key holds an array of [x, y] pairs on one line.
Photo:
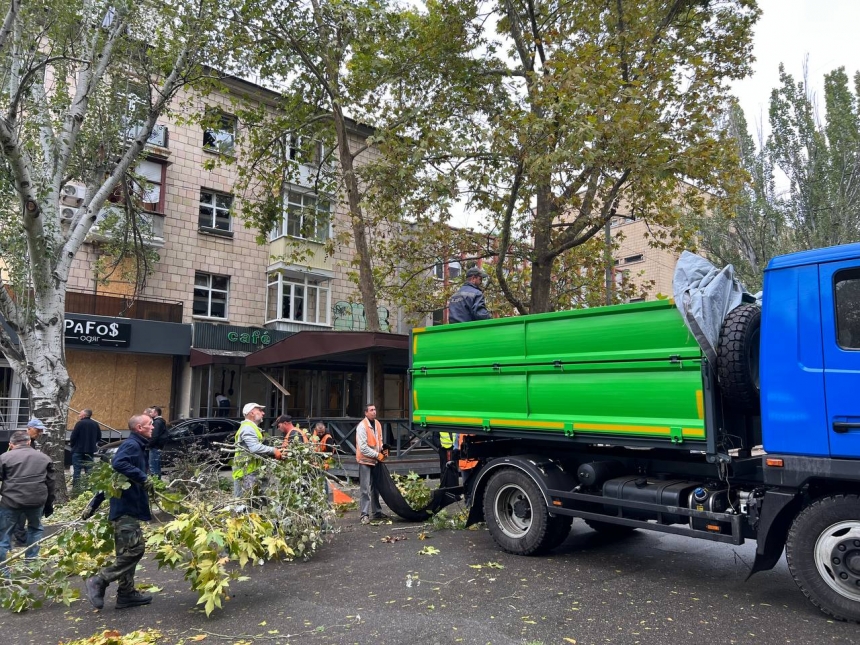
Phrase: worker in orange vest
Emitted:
{"points": [[321, 439], [468, 468], [369, 452], [292, 433]]}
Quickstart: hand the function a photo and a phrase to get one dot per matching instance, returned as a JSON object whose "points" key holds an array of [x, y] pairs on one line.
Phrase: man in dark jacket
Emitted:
{"points": [[126, 513], [159, 438], [35, 428], [84, 443], [27, 478], [468, 303]]}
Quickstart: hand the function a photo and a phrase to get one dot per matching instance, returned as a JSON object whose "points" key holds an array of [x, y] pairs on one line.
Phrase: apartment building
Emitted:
{"points": [[642, 264], [215, 295]]}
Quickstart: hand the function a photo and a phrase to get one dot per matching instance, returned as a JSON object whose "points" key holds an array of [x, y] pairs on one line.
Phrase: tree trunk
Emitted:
{"points": [[48, 384], [543, 261], [359, 232]]}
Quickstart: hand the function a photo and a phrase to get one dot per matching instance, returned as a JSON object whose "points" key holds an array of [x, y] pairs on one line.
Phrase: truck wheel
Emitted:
{"points": [[559, 529], [823, 553], [738, 357], [608, 529], [516, 513]]}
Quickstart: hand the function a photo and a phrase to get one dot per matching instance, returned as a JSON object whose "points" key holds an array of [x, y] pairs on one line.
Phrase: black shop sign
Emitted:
{"points": [[99, 333]]}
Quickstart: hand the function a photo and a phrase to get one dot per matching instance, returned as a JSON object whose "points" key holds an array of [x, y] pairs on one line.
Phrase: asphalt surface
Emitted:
{"points": [[645, 588]]}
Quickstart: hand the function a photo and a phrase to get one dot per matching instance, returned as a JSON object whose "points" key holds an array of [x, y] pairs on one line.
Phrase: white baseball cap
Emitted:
{"points": [[251, 406]]}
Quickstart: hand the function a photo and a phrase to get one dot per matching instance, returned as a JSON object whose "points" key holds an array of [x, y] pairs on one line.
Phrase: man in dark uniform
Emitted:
{"points": [[468, 303], [126, 514]]}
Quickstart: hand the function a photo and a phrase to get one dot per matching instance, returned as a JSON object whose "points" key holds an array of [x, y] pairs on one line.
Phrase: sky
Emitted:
{"points": [[788, 31]]}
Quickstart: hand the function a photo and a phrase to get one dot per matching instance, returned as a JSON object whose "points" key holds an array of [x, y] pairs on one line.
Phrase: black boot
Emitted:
{"points": [[96, 591], [132, 599]]}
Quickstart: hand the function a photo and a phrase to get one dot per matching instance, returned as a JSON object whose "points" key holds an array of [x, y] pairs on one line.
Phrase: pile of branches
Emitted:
{"points": [[200, 528]]}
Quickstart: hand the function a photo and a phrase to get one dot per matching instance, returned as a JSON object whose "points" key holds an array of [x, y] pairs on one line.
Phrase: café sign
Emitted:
{"points": [[98, 333]]}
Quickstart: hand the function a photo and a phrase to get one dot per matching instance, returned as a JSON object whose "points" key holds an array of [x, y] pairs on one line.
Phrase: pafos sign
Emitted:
{"points": [[96, 332]]}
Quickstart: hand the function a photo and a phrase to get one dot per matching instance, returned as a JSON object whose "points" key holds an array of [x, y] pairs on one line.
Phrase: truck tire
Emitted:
{"points": [[559, 529], [823, 553], [608, 529], [516, 514], [738, 358]]}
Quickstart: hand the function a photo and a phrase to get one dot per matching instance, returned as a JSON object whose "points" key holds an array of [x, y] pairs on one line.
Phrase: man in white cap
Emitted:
{"points": [[249, 449], [468, 303]]}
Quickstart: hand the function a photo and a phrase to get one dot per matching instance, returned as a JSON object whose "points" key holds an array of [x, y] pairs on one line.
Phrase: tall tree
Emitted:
{"points": [[83, 85], [821, 160], [568, 109], [347, 72], [750, 231]]}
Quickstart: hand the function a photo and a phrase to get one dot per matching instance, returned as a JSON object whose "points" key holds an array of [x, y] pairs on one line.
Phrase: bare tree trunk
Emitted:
{"points": [[359, 232], [543, 261], [48, 384]]}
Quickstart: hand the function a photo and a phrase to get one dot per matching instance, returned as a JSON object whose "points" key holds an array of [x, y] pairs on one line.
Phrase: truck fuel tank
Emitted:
{"points": [[712, 500], [670, 492]]}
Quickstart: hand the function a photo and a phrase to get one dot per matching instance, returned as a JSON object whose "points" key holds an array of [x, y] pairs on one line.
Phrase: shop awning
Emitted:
{"points": [[317, 346], [216, 357]]}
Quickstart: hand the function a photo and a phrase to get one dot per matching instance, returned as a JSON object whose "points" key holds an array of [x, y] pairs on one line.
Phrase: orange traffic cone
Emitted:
{"points": [[338, 496]]}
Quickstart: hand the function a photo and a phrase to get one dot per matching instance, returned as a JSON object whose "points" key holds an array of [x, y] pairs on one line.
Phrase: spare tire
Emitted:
{"points": [[738, 358]]}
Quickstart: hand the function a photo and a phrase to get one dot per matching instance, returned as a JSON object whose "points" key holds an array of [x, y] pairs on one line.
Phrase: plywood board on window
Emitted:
{"points": [[116, 386]]}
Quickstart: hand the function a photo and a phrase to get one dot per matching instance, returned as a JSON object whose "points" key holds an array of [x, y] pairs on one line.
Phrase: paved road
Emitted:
{"points": [[647, 588]]}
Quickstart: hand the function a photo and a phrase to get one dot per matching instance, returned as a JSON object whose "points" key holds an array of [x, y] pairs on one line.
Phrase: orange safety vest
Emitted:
{"points": [[374, 440], [465, 464], [324, 444], [291, 436]]}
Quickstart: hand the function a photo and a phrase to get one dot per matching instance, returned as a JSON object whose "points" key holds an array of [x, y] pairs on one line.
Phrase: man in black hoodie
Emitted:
{"points": [[84, 442]]}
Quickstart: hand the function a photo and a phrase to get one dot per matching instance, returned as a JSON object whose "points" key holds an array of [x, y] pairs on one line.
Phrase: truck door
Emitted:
{"points": [[840, 323]]}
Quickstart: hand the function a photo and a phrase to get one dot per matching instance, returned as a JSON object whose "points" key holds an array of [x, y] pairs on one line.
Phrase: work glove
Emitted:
{"points": [[49, 509], [455, 455], [380, 456], [278, 454], [148, 486]]}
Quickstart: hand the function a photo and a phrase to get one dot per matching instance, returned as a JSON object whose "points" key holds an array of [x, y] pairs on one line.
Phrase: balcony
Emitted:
{"points": [[114, 305]]}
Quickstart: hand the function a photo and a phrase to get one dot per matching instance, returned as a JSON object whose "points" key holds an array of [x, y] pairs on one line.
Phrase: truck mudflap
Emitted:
{"points": [[547, 473], [778, 509]]}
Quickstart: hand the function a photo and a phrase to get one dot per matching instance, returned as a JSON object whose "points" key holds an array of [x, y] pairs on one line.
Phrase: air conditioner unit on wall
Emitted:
{"points": [[73, 194], [67, 213]]}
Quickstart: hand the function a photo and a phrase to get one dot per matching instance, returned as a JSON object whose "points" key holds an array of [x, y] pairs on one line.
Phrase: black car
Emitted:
{"points": [[188, 438]]}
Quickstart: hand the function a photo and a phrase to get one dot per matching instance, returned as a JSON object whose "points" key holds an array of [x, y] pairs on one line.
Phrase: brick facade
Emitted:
{"points": [[187, 249]]}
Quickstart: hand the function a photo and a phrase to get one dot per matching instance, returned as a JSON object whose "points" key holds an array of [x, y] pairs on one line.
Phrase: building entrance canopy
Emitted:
{"points": [[321, 347]]}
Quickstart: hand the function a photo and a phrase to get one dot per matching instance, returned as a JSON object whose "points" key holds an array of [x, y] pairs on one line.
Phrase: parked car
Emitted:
{"points": [[187, 438]]}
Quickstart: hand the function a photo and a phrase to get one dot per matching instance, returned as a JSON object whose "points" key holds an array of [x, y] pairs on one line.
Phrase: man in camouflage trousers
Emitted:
{"points": [[126, 513]]}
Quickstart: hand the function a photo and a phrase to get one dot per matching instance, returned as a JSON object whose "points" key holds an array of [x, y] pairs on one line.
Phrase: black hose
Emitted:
{"points": [[388, 490]]}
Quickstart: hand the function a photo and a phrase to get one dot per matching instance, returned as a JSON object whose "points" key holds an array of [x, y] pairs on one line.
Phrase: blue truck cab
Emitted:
{"points": [[810, 354]]}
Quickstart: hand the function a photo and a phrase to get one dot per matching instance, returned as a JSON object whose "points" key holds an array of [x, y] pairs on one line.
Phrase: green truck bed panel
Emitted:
{"points": [[630, 370]]}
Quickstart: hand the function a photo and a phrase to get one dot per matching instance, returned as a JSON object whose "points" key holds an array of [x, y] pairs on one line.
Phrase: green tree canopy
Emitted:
{"points": [[555, 114]]}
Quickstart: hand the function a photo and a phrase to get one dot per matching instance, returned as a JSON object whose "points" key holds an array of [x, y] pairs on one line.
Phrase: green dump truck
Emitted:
{"points": [[614, 415]]}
